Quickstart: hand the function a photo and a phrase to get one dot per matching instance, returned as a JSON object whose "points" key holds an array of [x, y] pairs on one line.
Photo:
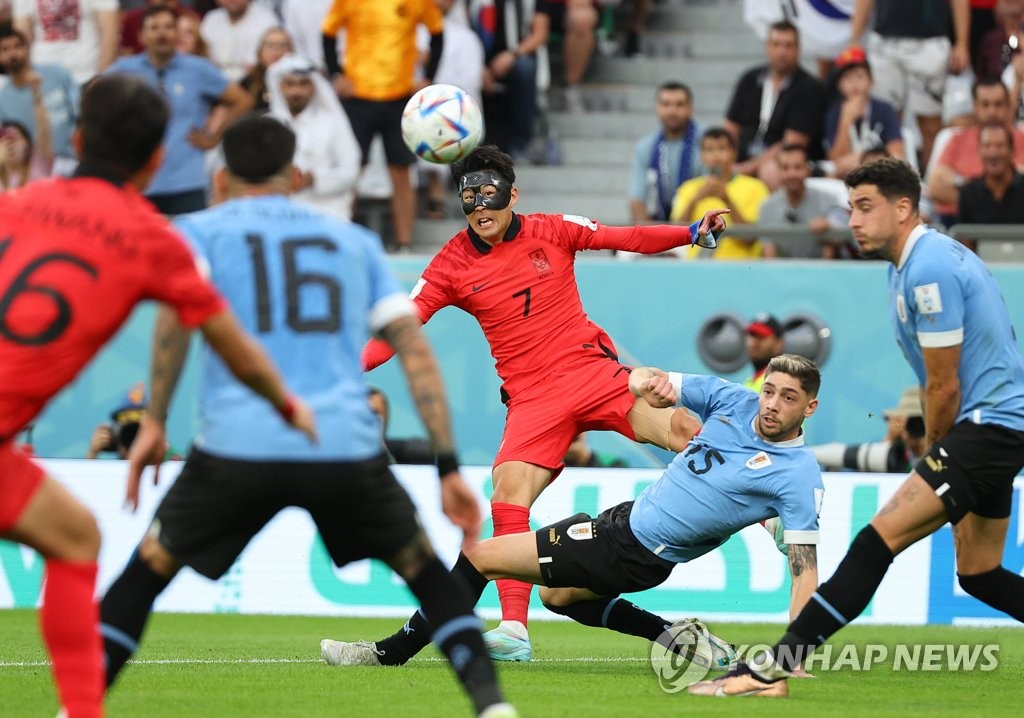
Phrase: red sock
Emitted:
{"points": [[514, 595], [70, 622]]}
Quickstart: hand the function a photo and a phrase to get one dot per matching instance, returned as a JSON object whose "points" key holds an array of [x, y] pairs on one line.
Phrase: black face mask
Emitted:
{"points": [[475, 181]]}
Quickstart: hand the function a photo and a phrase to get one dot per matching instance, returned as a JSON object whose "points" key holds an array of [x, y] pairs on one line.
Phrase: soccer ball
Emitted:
{"points": [[442, 123]]}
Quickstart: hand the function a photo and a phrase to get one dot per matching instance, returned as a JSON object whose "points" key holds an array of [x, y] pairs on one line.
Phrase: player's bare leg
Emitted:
{"points": [[63, 531], [517, 485], [668, 428], [979, 553], [913, 512]]}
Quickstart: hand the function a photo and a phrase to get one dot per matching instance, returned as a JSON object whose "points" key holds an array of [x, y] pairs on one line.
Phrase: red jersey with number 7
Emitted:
{"points": [[523, 290], [76, 256]]}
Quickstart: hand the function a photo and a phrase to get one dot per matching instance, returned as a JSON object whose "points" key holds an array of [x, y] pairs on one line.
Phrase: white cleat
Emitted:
{"points": [[510, 641], [723, 653], [359, 653], [500, 710]]}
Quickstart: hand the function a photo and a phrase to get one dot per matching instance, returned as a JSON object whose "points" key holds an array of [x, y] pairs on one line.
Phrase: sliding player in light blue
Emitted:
{"points": [[748, 464]]}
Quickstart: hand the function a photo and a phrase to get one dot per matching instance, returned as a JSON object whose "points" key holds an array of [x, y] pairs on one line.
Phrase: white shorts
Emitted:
{"points": [[910, 72]]}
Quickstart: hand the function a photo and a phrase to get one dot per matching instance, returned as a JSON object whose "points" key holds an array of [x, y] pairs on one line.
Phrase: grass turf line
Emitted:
{"points": [[223, 682]]}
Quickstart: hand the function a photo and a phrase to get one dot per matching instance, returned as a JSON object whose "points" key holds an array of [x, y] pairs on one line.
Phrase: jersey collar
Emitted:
{"points": [[513, 230], [797, 440], [915, 234]]}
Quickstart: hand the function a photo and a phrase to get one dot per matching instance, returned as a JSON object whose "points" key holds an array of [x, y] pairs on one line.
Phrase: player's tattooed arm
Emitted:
{"points": [[803, 568], [170, 348], [424, 378]]}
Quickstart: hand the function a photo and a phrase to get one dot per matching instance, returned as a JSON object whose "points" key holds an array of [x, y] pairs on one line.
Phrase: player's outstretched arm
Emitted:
{"points": [[427, 388], [653, 386], [803, 568], [656, 238], [251, 365]]}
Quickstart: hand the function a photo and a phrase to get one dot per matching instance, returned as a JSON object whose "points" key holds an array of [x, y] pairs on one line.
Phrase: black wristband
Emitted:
{"points": [[447, 463]]}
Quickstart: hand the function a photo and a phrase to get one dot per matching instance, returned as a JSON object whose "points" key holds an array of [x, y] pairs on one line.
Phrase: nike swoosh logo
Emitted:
{"points": [[478, 287]]}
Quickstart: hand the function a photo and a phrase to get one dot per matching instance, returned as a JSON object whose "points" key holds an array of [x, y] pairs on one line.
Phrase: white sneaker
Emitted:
{"points": [[340, 653], [500, 710], [510, 641], [574, 100]]}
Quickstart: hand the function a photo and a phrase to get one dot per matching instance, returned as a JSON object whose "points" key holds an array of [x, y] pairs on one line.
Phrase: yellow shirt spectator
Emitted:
{"points": [[380, 43], [745, 194]]}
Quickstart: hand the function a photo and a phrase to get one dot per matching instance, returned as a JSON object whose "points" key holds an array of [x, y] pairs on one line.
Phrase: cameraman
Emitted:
{"points": [[904, 442], [117, 437]]}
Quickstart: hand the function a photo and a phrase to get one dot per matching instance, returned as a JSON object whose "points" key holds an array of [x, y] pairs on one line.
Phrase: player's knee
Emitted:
{"points": [[485, 559], [556, 599], [158, 558], [83, 534], [413, 557]]}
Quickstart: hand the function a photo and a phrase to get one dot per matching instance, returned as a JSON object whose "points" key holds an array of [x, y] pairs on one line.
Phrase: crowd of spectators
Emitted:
{"points": [[786, 138]]}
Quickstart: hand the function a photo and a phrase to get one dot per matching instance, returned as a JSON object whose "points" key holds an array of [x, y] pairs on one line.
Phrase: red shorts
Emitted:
{"points": [[20, 477], [542, 422]]}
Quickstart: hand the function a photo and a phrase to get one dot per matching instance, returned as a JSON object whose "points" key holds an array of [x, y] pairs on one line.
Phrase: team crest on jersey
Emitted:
{"points": [[760, 460], [928, 298], [540, 262], [581, 532], [901, 308]]}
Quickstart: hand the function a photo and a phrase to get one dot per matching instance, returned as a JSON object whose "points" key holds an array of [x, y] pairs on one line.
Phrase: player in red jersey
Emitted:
{"points": [[76, 255], [561, 375]]}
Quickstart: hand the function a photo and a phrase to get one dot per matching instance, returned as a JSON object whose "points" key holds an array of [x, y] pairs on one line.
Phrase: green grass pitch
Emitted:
{"points": [[222, 666]]}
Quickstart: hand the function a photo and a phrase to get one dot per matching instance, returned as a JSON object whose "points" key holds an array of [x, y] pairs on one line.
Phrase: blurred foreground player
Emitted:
{"points": [[952, 324], [561, 375], [313, 288], [64, 243], [748, 464]]}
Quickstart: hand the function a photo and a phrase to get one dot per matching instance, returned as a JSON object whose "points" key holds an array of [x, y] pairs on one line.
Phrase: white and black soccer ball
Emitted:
{"points": [[442, 123]]}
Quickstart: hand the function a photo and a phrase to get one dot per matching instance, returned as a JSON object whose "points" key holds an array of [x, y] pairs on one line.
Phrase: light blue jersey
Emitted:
{"points": [[727, 478], [942, 295], [311, 288]]}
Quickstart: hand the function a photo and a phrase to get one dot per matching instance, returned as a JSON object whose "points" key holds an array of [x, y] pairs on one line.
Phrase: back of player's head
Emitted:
{"points": [[486, 157], [258, 148], [122, 123], [893, 177], [800, 368]]}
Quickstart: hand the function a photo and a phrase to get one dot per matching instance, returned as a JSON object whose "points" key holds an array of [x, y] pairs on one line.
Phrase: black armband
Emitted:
{"points": [[447, 462]]}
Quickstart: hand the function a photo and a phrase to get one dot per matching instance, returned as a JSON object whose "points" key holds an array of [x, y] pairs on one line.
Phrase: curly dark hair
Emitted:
{"points": [[893, 177]]}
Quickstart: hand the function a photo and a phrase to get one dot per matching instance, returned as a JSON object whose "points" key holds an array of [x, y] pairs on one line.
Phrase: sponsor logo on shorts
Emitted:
{"points": [[582, 531], [760, 460], [935, 465], [553, 538]]}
